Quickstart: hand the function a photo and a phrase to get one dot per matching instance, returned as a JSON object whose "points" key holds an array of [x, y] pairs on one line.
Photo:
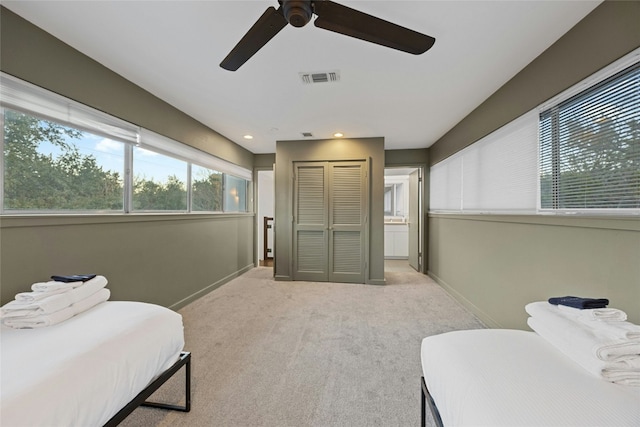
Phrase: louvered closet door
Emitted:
{"points": [[310, 222], [347, 219]]}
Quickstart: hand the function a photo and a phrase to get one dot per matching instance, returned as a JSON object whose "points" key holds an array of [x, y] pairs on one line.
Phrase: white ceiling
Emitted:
{"points": [[173, 50]]}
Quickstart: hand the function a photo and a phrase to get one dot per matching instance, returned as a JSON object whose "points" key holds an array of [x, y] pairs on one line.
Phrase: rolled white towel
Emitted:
{"points": [[55, 302], [52, 286], [581, 338], [601, 314], [59, 316]]}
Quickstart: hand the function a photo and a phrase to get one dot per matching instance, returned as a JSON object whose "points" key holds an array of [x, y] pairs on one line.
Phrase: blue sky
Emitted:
{"points": [[109, 154]]}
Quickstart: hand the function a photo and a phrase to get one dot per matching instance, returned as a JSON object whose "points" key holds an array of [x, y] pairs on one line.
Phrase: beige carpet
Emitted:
{"points": [[269, 353]]}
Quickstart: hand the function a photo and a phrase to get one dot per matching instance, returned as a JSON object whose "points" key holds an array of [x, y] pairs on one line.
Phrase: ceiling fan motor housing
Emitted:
{"points": [[297, 12]]}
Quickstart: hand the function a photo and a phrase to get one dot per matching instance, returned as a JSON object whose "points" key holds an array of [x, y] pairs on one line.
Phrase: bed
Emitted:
{"points": [[498, 377], [92, 369]]}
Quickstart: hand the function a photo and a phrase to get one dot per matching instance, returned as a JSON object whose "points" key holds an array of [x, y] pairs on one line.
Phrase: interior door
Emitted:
{"points": [[414, 220]]}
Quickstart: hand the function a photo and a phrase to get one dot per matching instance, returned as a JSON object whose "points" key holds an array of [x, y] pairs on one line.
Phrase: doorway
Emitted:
{"points": [[264, 218], [403, 219]]}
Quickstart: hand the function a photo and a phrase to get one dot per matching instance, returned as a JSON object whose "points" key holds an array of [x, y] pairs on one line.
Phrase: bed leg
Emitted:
{"points": [[186, 358], [426, 398], [140, 399], [423, 406]]}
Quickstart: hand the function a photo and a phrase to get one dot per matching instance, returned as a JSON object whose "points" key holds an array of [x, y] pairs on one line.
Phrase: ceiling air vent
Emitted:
{"points": [[320, 77]]}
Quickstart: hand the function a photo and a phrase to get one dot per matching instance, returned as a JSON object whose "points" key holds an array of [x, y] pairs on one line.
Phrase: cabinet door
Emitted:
{"points": [[329, 224]]}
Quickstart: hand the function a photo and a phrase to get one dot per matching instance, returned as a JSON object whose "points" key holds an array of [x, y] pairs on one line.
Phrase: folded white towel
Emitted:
{"points": [[52, 286], [622, 371], [601, 314], [618, 329], [58, 316], [580, 338], [28, 297], [55, 302], [622, 376]]}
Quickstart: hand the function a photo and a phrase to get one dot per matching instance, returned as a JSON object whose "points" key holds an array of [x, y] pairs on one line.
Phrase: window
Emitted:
{"points": [[206, 189], [57, 155], [53, 167], [394, 199], [159, 182], [235, 194], [590, 147]]}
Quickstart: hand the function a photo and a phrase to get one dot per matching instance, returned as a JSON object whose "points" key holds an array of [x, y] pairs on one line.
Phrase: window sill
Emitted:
{"points": [[47, 220], [609, 222]]}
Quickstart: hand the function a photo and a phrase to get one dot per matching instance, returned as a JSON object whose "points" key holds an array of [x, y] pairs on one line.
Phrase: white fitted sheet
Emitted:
{"points": [[82, 371], [498, 377]]}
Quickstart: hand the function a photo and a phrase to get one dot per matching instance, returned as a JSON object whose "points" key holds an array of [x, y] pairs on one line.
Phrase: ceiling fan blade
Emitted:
{"points": [[344, 20], [265, 28]]}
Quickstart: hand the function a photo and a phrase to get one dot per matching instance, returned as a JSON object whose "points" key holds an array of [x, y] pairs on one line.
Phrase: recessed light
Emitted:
{"points": [[338, 134], [248, 136]]}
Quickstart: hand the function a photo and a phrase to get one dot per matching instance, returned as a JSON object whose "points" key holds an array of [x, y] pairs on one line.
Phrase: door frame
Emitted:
{"points": [[329, 229], [258, 194], [422, 194]]}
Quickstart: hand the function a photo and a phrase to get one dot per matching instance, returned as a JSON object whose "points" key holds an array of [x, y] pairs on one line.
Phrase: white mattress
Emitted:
{"points": [[497, 377], [82, 371]]}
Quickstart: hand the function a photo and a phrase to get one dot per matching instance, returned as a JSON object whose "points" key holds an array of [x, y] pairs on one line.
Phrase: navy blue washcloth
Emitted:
{"points": [[578, 302], [73, 278]]}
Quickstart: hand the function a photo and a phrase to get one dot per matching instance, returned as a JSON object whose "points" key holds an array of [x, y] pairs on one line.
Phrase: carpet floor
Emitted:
{"points": [[272, 353]]}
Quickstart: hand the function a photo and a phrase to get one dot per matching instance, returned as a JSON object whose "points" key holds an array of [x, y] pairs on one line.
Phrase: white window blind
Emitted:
{"points": [[445, 185], [497, 174], [156, 142], [20, 95], [590, 147]]}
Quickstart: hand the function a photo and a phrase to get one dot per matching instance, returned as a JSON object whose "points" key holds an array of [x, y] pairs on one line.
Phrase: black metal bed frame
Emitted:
{"points": [[141, 398], [426, 397]]}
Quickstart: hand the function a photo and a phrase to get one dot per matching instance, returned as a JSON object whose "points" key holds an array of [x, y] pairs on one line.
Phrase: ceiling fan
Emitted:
{"points": [[330, 16]]}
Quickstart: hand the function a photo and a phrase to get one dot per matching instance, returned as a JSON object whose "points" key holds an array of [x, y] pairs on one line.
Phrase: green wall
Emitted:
{"points": [[494, 264], [163, 258]]}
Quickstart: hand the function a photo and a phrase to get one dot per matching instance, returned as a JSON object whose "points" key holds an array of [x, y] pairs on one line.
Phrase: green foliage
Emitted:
{"points": [[36, 181], [603, 161], [207, 193], [149, 195], [599, 162]]}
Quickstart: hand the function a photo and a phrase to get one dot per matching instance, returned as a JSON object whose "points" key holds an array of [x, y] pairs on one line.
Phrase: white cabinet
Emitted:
{"points": [[396, 240]]}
